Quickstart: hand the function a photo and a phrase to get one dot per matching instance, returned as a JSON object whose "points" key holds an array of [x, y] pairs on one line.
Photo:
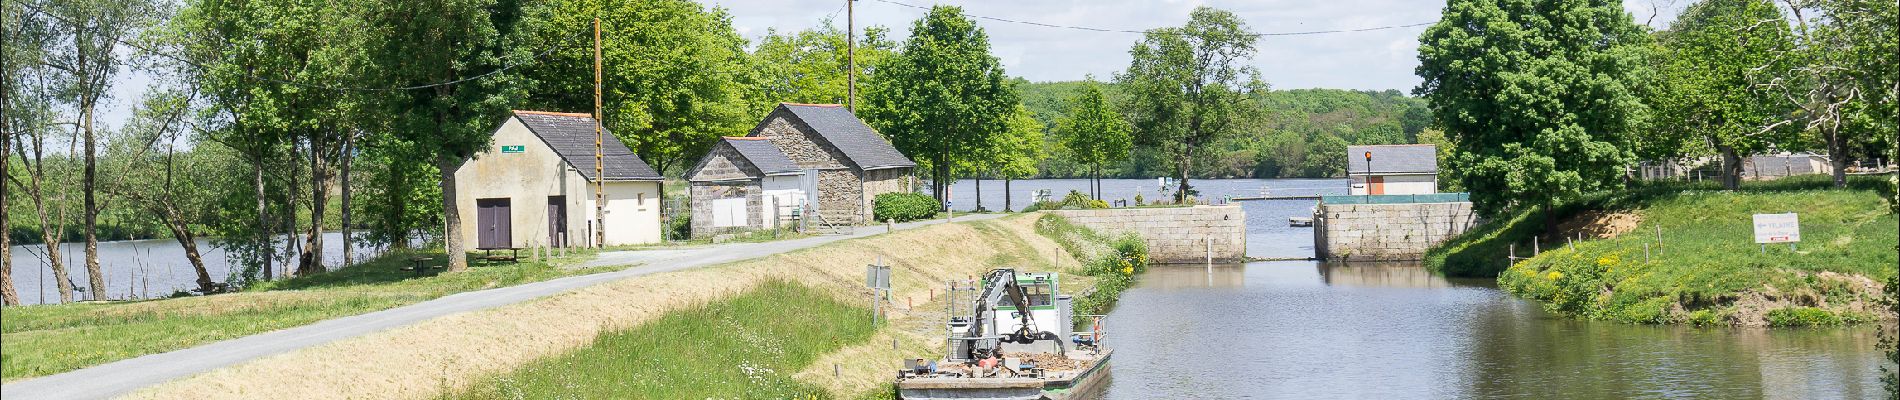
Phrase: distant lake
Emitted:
{"points": [[141, 268]]}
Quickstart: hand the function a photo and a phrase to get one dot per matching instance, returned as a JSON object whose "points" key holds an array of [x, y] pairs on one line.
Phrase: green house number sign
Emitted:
{"points": [[513, 149]]}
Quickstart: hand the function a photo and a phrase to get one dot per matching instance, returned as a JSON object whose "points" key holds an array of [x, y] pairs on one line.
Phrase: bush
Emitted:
{"points": [[1802, 316], [904, 207]]}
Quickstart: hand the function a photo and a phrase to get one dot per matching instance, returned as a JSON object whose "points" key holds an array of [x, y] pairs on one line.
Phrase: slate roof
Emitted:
{"points": [[850, 135], [572, 137], [763, 155], [1393, 159]]}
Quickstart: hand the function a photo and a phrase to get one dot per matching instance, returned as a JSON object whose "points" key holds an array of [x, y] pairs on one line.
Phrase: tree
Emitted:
{"points": [[1016, 153], [88, 59], [1185, 85], [1843, 69], [30, 122], [942, 97], [1715, 53], [449, 120], [1537, 96], [809, 66], [165, 185], [1094, 133], [676, 75]]}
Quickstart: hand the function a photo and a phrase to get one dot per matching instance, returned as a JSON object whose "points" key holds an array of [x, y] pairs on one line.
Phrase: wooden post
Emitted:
{"points": [[1645, 252], [851, 56], [1535, 248], [600, 191]]}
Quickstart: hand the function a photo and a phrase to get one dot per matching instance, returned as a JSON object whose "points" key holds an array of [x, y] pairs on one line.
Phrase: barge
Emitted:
{"points": [[1015, 340]]}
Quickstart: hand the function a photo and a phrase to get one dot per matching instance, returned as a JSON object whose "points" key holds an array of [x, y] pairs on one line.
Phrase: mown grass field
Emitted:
{"points": [[747, 346], [1706, 268], [49, 339]]}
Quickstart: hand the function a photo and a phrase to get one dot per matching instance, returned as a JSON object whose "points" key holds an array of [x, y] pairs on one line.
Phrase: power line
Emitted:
{"points": [[1112, 30], [504, 68]]}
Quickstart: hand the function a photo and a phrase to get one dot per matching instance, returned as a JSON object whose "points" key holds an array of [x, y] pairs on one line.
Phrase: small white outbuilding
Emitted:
{"points": [[534, 187], [1392, 169]]}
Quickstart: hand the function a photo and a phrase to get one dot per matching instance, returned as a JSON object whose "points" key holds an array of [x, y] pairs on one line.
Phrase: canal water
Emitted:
{"points": [[141, 269], [1306, 330]]}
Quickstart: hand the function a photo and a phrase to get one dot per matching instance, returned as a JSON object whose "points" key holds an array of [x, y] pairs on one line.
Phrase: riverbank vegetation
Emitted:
{"points": [[1113, 262], [49, 339], [748, 346], [1683, 253]]}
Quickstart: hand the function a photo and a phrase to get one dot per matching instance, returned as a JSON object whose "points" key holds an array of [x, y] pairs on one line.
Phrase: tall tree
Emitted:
{"points": [[31, 122], [1536, 95], [223, 54], [676, 73], [1717, 53], [1094, 134], [809, 66], [161, 183], [1016, 153], [1843, 69], [89, 59], [942, 97], [448, 42], [1185, 85]]}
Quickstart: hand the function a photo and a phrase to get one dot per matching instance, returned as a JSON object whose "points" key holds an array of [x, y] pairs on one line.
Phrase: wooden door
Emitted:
{"points": [[494, 229], [1375, 185], [557, 221]]}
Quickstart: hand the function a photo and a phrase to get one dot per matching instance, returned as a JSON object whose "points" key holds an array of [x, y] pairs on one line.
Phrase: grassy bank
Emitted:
{"points": [[49, 339], [744, 347], [1705, 267], [465, 354], [1113, 262]]}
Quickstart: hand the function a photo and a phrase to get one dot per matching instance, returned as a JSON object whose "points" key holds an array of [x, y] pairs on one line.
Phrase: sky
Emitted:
{"points": [[1371, 60]]}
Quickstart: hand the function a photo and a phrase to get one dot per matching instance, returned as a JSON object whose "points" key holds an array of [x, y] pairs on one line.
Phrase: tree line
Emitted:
{"points": [[1546, 102]]}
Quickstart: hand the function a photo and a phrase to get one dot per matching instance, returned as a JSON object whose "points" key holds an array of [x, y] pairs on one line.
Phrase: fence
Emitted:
{"points": [[1397, 198]]}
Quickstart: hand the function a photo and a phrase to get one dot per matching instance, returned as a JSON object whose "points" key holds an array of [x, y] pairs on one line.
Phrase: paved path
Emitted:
{"points": [[124, 376]]}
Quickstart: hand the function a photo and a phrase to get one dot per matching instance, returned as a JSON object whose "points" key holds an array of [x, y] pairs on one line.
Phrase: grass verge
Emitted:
{"points": [[743, 347], [49, 339], [1705, 269]]}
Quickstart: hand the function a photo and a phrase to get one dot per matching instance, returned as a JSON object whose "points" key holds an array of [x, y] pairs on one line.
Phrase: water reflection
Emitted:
{"points": [[1310, 331]]}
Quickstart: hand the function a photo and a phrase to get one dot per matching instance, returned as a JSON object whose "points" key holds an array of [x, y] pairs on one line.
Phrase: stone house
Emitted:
{"points": [[538, 175], [816, 157], [1392, 169]]}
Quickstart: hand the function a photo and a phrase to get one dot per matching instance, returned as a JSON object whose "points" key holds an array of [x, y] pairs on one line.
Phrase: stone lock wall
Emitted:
{"points": [[1386, 232], [1174, 235]]}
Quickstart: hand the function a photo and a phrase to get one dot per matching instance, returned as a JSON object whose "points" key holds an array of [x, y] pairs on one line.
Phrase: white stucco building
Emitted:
{"points": [[1392, 169], [534, 187]]}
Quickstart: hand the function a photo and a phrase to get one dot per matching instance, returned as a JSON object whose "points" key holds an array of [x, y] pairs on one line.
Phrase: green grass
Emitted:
{"points": [[744, 347], [1706, 263], [48, 339]]}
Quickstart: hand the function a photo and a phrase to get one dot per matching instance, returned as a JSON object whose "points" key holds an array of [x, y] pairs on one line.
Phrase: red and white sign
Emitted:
{"points": [[1777, 228]]}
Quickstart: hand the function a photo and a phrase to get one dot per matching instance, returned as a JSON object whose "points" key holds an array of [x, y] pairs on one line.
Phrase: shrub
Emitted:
{"points": [[1802, 316], [904, 207]]}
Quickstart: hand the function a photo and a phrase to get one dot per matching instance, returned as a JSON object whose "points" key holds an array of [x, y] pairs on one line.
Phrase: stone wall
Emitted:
{"points": [[883, 181], [1386, 232], [703, 194], [1174, 235], [722, 163]]}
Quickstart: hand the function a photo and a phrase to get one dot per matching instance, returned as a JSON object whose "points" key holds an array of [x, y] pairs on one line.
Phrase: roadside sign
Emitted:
{"points": [[1777, 228], [877, 276], [513, 149]]}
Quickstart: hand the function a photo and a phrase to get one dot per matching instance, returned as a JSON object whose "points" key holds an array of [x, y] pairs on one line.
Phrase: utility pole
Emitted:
{"points": [[600, 192], [851, 56]]}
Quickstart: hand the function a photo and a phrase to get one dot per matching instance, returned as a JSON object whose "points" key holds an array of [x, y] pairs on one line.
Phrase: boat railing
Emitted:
{"points": [[1092, 339]]}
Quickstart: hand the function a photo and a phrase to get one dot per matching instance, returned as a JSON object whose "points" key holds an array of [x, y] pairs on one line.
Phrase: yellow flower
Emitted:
{"points": [[1554, 275]]}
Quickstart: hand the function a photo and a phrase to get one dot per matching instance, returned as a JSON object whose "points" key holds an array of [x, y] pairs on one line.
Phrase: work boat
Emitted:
{"points": [[1013, 338]]}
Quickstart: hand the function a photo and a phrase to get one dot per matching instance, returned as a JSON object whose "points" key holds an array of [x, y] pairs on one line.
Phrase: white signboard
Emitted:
{"points": [[1777, 228], [728, 212]]}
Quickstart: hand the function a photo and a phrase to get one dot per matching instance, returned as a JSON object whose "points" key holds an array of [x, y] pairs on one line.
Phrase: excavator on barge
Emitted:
{"points": [[1013, 339]]}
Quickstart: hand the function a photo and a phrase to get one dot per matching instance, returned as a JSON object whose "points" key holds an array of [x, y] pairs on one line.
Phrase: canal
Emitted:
{"points": [[1308, 330]]}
